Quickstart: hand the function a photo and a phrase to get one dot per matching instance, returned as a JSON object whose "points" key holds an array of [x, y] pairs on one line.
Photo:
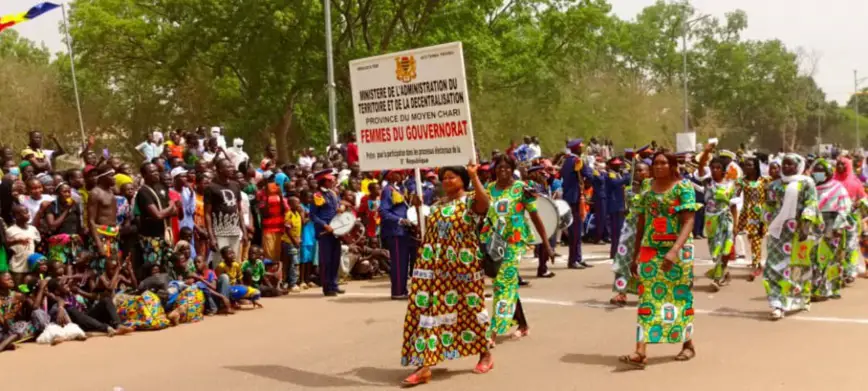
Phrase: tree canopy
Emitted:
{"points": [[551, 68]]}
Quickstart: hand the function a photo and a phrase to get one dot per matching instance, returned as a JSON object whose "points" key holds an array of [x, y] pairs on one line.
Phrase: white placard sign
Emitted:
{"points": [[685, 142], [411, 109]]}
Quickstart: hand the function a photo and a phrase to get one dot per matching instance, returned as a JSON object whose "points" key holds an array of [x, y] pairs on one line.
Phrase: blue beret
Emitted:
{"points": [[575, 142]]}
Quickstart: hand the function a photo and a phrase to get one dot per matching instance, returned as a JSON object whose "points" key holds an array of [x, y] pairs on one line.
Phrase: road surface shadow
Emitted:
{"points": [[364, 299], [298, 377], [604, 360], [393, 376], [377, 285], [604, 287]]}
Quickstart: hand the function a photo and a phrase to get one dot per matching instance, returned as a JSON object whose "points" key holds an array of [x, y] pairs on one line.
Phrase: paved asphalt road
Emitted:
{"points": [[307, 342]]}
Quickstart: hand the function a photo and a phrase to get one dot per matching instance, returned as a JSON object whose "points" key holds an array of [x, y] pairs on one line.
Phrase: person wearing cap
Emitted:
{"points": [[645, 152], [188, 202], [394, 231], [616, 202], [572, 173], [327, 205], [599, 201]]}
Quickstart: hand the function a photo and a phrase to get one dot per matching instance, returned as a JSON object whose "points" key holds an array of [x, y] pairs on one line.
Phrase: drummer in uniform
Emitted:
{"points": [[572, 172], [394, 231], [539, 183], [327, 205], [615, 186]]}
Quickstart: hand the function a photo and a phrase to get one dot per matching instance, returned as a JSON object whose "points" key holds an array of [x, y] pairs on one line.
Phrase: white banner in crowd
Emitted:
{"points": [[685, 142], [411, 109]]}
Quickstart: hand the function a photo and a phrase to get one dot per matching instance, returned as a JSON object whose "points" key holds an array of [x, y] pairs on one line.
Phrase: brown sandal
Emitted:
{"points": [[636, 360], [619, 300], [683, 355]]}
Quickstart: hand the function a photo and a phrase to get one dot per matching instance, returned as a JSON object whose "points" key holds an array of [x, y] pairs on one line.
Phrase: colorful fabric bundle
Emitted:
{"points": [[141, 312]]}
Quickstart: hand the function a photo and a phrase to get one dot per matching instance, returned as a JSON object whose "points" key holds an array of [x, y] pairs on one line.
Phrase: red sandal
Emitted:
{"points": [[422, 376], [482, 369]]}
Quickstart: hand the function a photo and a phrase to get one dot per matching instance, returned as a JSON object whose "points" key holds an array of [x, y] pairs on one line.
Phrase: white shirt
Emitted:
{"points": [[245, 209], [535, 151], [34, 205], [18, 262], [208, 156], [237, 155], [306, 161]]}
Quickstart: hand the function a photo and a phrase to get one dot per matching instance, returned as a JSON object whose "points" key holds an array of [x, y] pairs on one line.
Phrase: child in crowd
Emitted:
{"points": [[229, 281], [21, 239], [206, 280], [294, 220], [255, 276], [308, 245]]}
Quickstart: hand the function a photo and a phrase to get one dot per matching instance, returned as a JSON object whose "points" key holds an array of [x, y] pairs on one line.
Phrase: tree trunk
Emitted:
{"points": [[283, 131]]}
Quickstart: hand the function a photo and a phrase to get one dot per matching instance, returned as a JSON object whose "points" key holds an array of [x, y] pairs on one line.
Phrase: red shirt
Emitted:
{"points": [[273, 215], [370, 209], [352, 153], [174, 197]]}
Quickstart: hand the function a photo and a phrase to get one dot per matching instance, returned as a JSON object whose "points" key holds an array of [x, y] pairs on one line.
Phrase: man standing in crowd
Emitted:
{"points": [[571, 173], [41, 159], [102, 212], [393, 230], [327, 205], [223, 213], [155, 210]]}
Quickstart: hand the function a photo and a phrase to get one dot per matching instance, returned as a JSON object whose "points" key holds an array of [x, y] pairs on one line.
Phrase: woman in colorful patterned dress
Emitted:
{"points": [[446, 316], [829, 255], [791, 214], [625, 282], [753, 192], [510, 199], [663, 262], [855, 188], [721, 216]]}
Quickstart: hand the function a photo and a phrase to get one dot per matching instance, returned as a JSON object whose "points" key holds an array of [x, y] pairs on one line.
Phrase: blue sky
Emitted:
{"points": [[830, 30]]}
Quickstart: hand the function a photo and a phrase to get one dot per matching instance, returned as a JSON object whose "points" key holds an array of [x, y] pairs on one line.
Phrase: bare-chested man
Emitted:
{"points": [[102, 211]]}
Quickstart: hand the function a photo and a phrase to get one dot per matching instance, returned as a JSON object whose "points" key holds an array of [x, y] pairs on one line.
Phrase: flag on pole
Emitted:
{"points": [[13, 19]]}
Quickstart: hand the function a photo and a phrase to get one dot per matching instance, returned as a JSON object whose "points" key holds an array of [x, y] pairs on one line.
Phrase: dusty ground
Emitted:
{"points": [[307, 342]]}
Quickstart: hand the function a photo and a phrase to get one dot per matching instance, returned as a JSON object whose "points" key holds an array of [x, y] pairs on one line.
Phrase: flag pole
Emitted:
{"points": [[72, 68]]}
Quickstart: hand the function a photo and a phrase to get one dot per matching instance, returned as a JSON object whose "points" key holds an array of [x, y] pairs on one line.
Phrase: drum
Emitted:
{"points": [[548, 213], [343, 224], [412, 215], [565, 214]]}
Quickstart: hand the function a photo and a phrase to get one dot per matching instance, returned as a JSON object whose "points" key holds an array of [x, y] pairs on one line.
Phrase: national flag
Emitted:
{"points": [[13, 19]]}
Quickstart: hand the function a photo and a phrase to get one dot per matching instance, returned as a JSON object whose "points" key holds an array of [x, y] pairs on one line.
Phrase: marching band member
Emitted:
{"points": [[615, 186], [540, 185], [572, 172], [327, 205], [394, 232]]}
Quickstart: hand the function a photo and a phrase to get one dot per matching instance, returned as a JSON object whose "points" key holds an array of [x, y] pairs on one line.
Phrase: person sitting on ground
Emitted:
{"points": [[229, 280], [254, 268], [20, 318], [101, 316], [206, 279]]}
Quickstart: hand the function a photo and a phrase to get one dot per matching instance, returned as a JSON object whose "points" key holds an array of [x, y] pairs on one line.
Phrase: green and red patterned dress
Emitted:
{"points": [[507, 216], [446, 316], [624, 281], [665, 312]]}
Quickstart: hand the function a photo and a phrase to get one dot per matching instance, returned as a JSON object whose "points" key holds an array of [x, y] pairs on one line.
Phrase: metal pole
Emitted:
{"points": [[856, 103], [684, 61], [331, 72], [72, 68]]}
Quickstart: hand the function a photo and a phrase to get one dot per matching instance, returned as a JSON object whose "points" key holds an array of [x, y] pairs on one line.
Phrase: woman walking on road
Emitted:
{"points": [[829, 257], [625, 282], [663, 262], [753, 189], [791, 213], [446, 316], [510, 199], [721, 216]]}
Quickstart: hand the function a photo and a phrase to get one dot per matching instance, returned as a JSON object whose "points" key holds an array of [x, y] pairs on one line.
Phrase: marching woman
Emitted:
{"points": [[510, 200], [844, 174], [753, 189], [446, 316], [791, 213], [663, 262], [625, 282], [829, 256], [721, 214]]}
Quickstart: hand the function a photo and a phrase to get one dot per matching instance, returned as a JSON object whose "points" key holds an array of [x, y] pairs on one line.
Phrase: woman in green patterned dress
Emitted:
{"points": [[663, 262], [625, 282], [791, 214], [721, 216], [510, 199], [446, 316], [829, 256]]}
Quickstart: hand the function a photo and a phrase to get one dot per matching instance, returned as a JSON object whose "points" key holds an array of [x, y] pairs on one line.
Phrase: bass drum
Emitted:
{"points": [[342, 224], [548, 213], [565, 214]]}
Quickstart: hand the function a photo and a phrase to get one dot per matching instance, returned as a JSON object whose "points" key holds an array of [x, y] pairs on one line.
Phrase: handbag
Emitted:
{"points": [[495, 250]]}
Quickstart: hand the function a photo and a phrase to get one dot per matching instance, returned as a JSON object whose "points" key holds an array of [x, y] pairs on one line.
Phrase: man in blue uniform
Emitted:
{"points": [[394, 231], [598, 199], [571, 173], [326, 205], [615, 186]]}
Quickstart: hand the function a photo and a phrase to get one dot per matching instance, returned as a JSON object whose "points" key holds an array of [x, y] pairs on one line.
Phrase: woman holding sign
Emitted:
{"points": [[446, 316]]}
